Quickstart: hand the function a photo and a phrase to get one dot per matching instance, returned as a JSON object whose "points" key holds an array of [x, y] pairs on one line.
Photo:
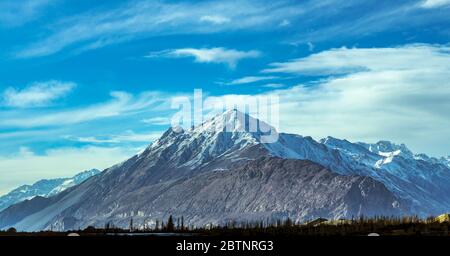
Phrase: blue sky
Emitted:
{"points": [[87, 85]]}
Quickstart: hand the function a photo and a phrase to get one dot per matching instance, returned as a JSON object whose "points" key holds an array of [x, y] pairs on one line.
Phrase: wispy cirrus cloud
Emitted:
{"points": [[127, 136], [121, 103], [350, 60], [142, 19], [285, 23], [94, 29], [36, 94], [156, 121], [395, 16], [251, 79], [219, 55], [15, 13], [434, 3], [215, 19]]}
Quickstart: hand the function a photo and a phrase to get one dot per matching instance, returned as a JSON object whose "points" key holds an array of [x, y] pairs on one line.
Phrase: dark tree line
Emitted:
{"points": [[356, 226]]}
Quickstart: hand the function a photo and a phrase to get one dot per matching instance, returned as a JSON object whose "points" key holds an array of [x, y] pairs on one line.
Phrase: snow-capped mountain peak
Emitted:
{"points": [[233, 121], [386, 148], [199, 160], [343, 145], [224, 133]]}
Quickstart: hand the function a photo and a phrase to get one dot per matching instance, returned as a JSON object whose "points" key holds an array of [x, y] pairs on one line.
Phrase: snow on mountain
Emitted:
{"points": [[43, 188], [417, 178], [220, 170], [445, 161], [385, 147], [70, 182], [388, 158], [224, 134]]}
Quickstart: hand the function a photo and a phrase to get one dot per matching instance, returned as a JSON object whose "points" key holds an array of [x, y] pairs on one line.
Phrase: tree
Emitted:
{"points": [[131, 224], [288, 222], [90, 229], [170, 224], [157, 225], [11, 230], [146, 224]]}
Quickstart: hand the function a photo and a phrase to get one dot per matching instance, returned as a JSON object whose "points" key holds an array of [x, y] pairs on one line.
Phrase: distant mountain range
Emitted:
{"points": [[216, 176], [43, 188]]}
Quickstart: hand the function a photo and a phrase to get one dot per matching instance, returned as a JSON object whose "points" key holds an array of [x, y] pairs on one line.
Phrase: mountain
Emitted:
{"points": [[421, 180], [445, 161], [219, 172], [43, 188]]}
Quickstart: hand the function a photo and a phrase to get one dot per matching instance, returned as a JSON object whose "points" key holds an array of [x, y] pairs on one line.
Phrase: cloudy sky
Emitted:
{"points": [[86, 86]]}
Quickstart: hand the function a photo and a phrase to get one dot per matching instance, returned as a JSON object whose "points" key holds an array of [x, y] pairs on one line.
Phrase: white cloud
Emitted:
{"points": [[25, 152], [95, 29], [251, 79], [127, 136], [400, 94], [393, 17], [157, 121], [91, 139], [208, 55], [311, 46], [16, 13], [122, 103], [130, 136], [285, 23], [344, 60], [56, 163], [434, 3], [36, 94], [215, 19]]}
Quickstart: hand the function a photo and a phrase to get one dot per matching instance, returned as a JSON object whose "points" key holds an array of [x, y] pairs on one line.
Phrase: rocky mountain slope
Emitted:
{"points": [[210, 174], [423, 181]]}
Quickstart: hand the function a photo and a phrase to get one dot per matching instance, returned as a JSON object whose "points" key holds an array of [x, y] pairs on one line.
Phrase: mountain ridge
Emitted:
{"points": [[177, 169], [43, 188]]}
